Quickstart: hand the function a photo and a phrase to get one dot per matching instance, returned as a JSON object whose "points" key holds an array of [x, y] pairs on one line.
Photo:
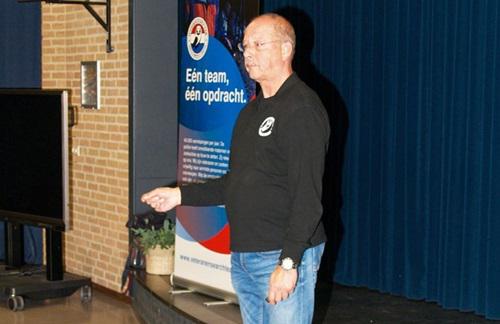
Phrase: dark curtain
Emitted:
{"points": [[20, 67], [420, 189]]}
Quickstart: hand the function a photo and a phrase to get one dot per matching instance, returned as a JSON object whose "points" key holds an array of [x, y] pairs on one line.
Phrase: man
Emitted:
{"points": [[272, 191]]}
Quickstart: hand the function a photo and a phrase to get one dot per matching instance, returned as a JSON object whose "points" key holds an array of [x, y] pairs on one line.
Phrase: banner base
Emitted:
{"points": [[203, 289]]}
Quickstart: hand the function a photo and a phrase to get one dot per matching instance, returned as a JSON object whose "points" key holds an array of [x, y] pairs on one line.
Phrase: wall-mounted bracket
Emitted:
{"points": [[106, 24]]}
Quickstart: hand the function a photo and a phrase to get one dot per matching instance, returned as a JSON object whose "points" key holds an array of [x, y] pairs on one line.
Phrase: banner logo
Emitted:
{"points": [[197, 38], [266, 127]]}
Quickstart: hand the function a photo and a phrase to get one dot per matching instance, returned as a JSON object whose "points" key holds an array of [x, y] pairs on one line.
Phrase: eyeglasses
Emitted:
{"points": [[258, 45]]}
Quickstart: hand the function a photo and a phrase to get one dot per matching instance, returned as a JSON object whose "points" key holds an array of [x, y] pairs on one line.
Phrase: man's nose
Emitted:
{"points": [[247, 53]]}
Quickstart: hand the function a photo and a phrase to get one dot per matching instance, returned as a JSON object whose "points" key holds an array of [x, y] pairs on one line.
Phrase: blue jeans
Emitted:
{"points": [[250, 273]]}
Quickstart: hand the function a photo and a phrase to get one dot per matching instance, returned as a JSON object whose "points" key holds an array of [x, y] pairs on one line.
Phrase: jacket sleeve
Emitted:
{"points": [[204, 194], [306, 134]]}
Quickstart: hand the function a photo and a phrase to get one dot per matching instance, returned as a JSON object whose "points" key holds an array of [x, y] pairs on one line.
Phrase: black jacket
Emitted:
{"points": [[272, 191]]}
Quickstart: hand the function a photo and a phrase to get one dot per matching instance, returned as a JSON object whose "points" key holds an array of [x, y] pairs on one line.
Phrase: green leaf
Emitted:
{"points": [[150, 238]]}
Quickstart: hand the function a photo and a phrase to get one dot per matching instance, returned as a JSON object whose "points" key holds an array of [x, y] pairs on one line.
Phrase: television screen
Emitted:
{"points": [[34, 157]]}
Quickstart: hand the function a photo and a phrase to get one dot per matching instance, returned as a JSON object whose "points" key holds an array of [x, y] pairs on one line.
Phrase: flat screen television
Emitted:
{"points": [[34, 157]]}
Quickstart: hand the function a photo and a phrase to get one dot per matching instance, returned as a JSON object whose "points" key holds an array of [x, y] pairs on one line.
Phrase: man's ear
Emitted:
{"points": [[286, 50]]}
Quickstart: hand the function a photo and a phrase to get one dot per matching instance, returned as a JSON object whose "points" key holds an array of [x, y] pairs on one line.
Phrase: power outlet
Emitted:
{"points": [[76, 150]]}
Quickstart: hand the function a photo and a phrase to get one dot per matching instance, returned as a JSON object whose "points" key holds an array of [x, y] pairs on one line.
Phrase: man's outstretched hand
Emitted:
{"points": [[162, 199]]}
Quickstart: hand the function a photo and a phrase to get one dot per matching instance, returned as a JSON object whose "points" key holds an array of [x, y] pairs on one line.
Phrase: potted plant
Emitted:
{"points": [[158, 247]]}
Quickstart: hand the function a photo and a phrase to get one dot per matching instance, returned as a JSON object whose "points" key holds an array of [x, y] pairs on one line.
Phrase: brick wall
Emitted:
{"points": [[97, 244]]}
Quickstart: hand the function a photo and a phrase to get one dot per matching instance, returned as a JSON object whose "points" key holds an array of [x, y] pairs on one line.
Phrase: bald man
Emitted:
{"points": [[272, 190]]}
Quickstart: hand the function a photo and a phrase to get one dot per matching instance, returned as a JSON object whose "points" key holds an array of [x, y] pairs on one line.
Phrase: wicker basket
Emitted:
{"points": [[160, 261]]}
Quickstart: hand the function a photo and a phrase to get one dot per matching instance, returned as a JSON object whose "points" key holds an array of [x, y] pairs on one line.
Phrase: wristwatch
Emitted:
{"points": [[287, 264]]}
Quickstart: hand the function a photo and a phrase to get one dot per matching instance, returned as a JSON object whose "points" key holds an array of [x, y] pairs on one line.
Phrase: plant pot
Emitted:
{"points": [[160, 261]]}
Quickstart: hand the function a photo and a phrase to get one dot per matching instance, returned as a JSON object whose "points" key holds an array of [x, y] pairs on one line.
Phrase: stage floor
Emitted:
{"points": [[334, 304], [350, 305]]}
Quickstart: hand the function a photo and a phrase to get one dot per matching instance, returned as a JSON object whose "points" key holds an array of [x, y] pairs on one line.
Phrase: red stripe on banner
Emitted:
{"points": [[220, 242]]}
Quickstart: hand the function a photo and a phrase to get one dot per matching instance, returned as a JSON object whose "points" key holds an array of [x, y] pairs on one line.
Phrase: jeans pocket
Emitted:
{"points": [[268, 254], [262, 263], [317, 254]]}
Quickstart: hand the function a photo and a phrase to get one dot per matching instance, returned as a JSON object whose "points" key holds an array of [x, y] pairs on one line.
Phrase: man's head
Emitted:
{"points": [[269, 45]]}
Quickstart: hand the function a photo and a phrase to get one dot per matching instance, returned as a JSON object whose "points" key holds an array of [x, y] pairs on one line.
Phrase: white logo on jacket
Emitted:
{"points": [[266, 127]]}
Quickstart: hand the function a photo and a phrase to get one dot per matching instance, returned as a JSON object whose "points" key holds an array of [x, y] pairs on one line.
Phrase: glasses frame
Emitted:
{"points": [[257, 45]]}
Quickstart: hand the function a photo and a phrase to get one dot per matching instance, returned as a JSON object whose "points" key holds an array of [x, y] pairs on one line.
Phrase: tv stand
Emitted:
{"points": [[14, 245], [52, 282], [53, 250], [17, 288]]}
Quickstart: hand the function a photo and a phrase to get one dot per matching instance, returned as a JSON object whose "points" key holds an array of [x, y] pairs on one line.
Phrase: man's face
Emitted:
{"points": [[262, 51]]}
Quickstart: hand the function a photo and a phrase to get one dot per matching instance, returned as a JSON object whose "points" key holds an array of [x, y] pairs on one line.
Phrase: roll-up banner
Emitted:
{"points": [[214, 87]]}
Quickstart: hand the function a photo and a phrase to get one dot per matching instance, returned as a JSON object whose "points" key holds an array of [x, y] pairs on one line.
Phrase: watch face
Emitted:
{"points": [[287, 264]]}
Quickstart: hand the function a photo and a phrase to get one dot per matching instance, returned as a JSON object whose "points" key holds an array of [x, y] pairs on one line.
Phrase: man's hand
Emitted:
{"points": [[162, 199], [281, 285]]}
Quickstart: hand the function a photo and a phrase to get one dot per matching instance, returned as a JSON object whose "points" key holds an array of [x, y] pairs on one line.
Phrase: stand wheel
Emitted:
{"points": [[15, 303], [86, 294]]}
